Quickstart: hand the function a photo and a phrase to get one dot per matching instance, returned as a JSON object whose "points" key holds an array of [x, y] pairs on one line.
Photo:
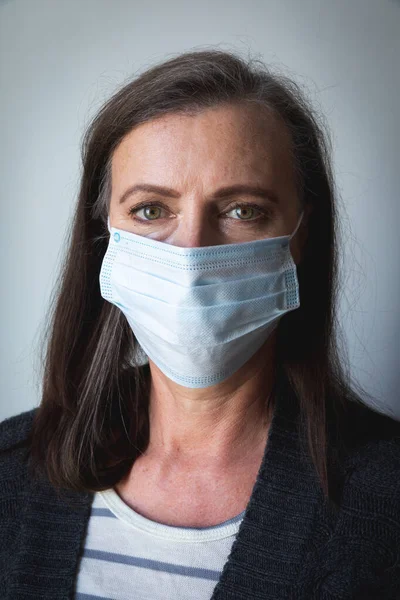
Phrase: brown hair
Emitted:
{"points": [[92, 421]]}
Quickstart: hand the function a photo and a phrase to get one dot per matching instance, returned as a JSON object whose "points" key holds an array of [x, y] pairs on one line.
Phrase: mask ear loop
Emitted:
{"points": [[297, 226], [108, 223]]}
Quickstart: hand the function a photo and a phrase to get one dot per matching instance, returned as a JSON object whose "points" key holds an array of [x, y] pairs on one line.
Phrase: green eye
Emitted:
{"points": [[244, 212], [152, 212], [146, 212]]}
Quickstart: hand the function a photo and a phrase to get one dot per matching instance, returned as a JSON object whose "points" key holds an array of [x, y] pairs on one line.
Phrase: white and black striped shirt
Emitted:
{"points": [[128, 556]]}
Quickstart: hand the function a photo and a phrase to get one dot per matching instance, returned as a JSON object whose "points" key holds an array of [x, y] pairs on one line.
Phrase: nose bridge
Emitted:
{"points": [[194, 227]]}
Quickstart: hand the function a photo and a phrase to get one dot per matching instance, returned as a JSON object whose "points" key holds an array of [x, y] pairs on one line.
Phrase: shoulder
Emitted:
{"points": [[14, 486], [14, 448], [368, 444], [362, 552], [371, 441], [372, 466], [15, 430], [372, 484], [368, 447]]}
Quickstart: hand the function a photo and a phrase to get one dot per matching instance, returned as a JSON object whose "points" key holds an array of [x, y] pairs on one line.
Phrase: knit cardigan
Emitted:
{"points": [[292, 544]]}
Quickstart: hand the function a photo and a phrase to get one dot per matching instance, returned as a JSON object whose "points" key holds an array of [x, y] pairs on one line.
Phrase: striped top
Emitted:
{"points": [[292, 542], [129, 556]]}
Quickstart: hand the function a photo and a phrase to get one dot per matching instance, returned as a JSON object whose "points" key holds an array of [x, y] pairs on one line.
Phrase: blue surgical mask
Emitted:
{"points": [[200, 313]]}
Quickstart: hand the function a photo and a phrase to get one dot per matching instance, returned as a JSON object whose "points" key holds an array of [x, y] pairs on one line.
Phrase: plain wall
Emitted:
{"points": [[60, 60]]}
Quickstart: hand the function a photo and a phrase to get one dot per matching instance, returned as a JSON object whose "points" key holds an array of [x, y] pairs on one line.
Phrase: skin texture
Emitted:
{"points": [[206, 445]]}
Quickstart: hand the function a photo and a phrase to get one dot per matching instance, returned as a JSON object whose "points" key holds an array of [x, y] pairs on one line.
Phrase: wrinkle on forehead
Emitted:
{"points": [[218, 146]]}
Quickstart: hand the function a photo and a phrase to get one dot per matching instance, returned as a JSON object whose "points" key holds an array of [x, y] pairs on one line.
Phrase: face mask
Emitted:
{"points": [[200, 313]]}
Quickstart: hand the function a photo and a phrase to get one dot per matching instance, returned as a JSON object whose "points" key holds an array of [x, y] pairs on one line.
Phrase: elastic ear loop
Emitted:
{"points": [[298, 225], [108, 223]]}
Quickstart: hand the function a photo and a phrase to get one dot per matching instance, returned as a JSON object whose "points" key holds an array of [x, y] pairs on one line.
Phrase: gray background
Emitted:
{"points": [[60, 60]]}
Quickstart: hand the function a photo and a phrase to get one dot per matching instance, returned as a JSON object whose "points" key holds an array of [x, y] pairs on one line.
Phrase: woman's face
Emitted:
{"points": [[220, 177]]}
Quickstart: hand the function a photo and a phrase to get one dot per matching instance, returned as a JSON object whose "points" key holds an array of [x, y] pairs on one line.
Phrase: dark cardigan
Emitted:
{"points": [[291, 544]]}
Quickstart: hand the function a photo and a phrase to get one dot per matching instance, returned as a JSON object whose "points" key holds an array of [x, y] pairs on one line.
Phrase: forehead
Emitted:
{"points": [[224, 143]]}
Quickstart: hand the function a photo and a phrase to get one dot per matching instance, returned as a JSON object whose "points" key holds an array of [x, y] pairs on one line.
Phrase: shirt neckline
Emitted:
{"points": [[171, 532]]}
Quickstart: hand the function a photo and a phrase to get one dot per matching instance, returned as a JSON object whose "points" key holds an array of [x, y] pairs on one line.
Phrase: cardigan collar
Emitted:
{"points": [[267, 556]]}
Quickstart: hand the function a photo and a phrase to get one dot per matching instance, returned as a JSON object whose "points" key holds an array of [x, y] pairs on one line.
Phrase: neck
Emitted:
{"points": [[221, 423]]}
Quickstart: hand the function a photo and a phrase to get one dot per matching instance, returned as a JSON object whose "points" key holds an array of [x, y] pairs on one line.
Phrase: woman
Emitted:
{"points": [[197, 436]]}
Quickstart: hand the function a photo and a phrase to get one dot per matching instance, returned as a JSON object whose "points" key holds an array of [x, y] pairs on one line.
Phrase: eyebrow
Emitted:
{"points": [[224, 192]]}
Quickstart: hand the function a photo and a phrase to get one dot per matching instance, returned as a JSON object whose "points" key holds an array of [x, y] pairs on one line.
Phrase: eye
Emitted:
{"points": [[245, 212], [150, 212]]}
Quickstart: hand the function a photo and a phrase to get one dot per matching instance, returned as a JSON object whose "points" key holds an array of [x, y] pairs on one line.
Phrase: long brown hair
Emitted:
{"points": [[92, 421]]}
